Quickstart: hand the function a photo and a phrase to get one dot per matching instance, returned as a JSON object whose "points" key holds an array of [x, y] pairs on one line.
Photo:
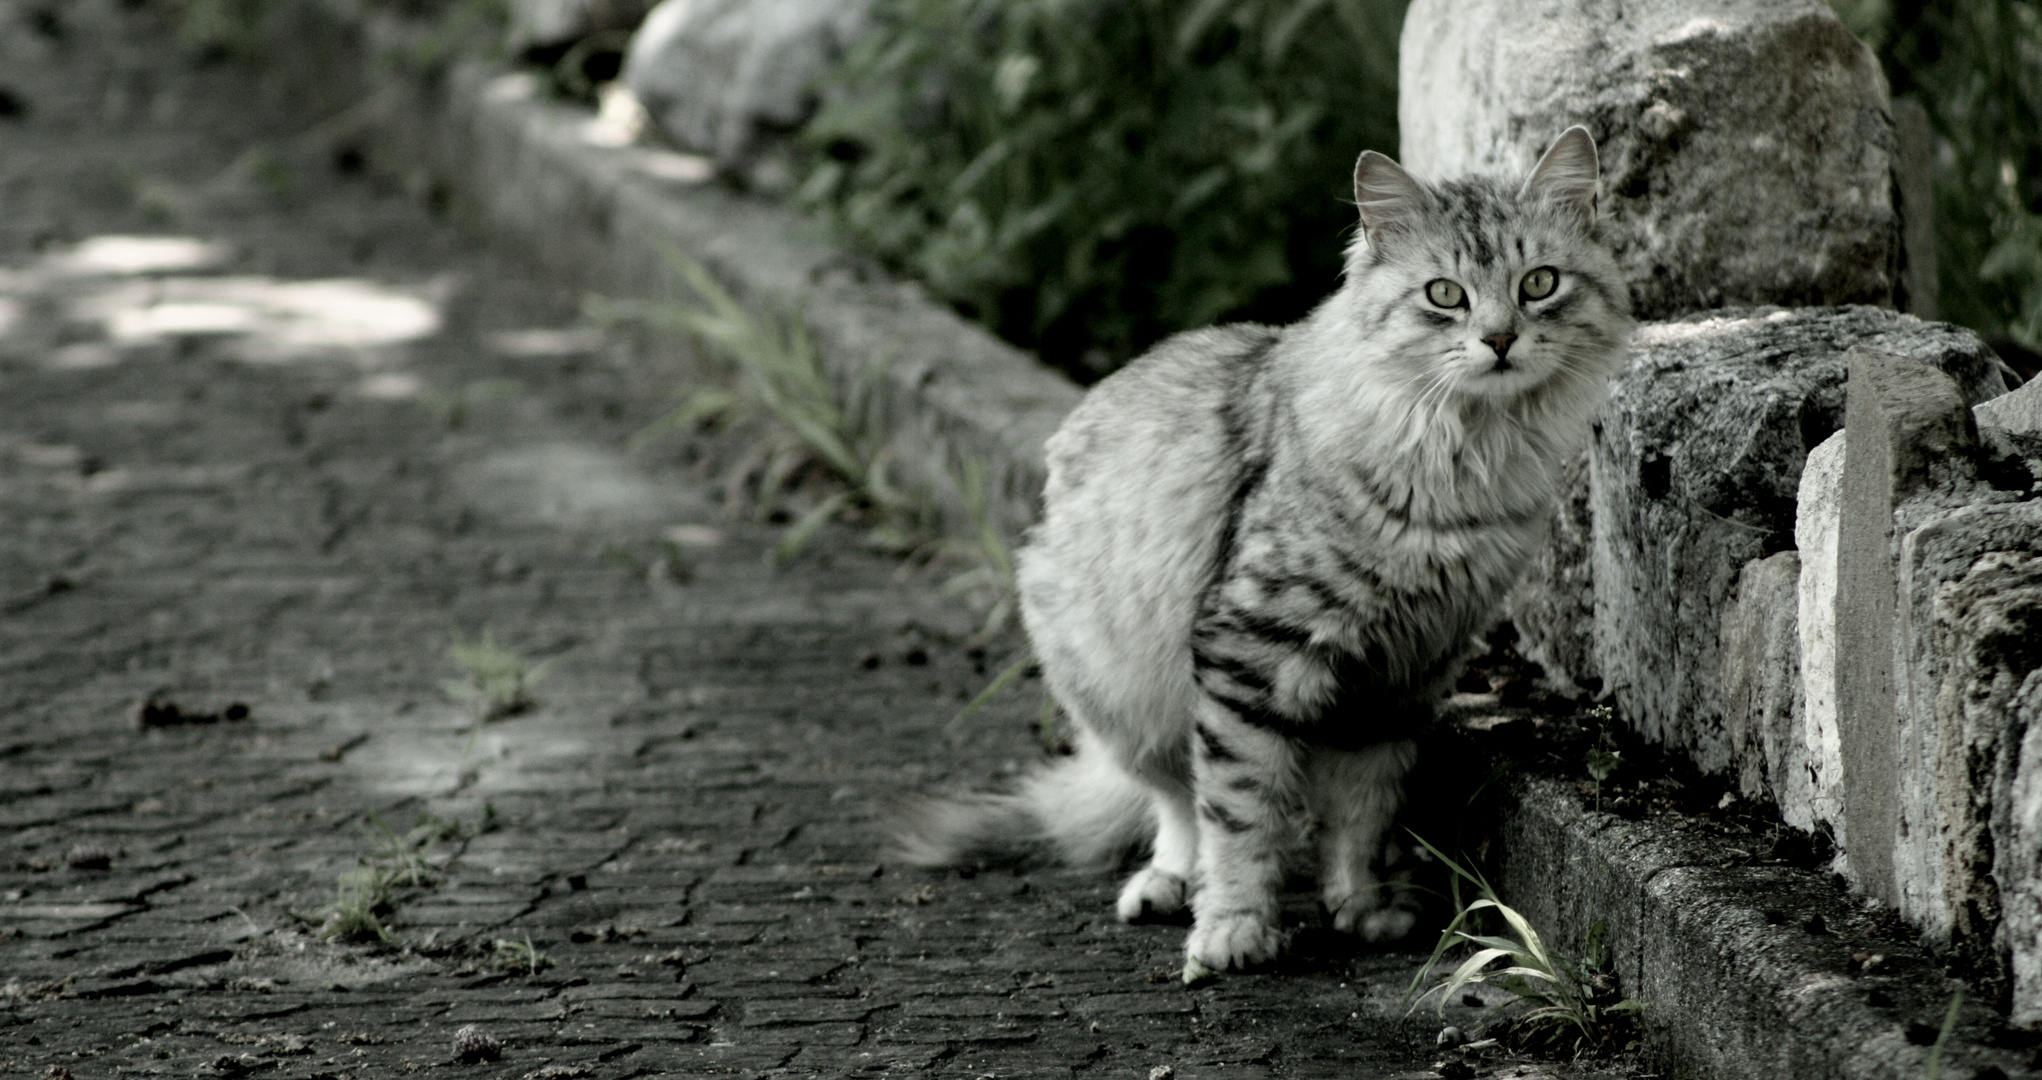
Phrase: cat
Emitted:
{"points": [[1265, 551]]}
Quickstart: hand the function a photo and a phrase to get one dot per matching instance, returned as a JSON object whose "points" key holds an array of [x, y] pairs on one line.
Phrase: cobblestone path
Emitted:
{"points": [[272, 437]]}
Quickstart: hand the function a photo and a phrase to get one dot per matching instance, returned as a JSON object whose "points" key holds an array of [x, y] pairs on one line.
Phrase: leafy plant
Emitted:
{"points": [[778, 375], [1559, 1001], [1601, 759], [1086, 176], [498, 681]]}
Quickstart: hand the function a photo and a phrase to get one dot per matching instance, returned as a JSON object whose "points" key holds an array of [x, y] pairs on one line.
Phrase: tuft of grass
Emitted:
{"points": [[365, 896], [1557, 1002], [777, 376], [356, 914], [516, 956], [497, 682]]}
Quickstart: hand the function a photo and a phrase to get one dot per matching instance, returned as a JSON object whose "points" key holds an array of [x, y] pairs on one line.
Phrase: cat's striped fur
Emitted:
{"points": [[1265, 551]]}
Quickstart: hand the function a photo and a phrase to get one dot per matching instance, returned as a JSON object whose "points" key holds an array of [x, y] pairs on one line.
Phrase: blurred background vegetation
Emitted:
{"points": [[1087, 176], [1976, 66]]}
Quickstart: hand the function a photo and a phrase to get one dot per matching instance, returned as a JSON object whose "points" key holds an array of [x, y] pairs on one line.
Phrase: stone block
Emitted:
{"points": [[1906, 428], [1967, 634], [1762, 686], [2017, 413], [1694, 470], [557, 24], [2017, 860], [1988, 638], [717, 74], [1815, 534], [1747, 148]]}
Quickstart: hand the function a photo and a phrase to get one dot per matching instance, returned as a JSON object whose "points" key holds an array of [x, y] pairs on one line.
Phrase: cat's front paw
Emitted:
{"points": [[1151, 894], [1232, 940], [1362, 914]]}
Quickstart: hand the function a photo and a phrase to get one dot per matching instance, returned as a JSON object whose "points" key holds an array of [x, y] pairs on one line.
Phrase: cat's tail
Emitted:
{"points": [[1083, 807]]}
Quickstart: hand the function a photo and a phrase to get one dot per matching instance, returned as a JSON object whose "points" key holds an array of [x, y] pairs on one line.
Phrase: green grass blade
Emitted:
{"points": [[804, 529]]}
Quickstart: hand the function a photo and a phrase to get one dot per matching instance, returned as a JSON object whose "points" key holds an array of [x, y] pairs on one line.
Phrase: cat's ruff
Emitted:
{"points": [[1263, 552]]}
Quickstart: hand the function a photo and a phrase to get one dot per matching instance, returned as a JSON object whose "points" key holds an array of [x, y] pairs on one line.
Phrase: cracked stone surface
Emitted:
{"points": [[271, 438]]}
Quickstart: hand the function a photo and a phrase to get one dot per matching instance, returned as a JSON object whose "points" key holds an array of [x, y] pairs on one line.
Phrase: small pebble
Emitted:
{"points": [[1451, 1036], [1163, 1072], [472, 1044]]}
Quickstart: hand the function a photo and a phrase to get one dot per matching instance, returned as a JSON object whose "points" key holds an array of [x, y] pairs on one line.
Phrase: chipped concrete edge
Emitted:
{"points": [[1731, 994], [543, 179]]}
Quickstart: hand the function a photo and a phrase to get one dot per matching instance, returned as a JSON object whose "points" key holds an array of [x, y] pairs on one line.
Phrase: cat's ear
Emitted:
{"points": [[1566, 176], [1390, 201]]}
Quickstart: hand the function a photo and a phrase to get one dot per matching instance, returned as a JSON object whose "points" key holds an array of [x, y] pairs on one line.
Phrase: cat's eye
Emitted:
{"points": [[1540, 283], [1445, 293]]}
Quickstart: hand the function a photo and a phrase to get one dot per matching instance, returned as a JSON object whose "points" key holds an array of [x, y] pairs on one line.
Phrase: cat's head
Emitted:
{"points": [[1479, 288]]}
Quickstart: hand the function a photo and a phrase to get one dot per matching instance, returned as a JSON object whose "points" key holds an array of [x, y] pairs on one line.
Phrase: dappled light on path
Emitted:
{"points": [[119, 295]]}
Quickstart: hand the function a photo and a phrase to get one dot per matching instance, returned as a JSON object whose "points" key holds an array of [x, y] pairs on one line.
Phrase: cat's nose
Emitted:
{"points": [[1501, 343]]}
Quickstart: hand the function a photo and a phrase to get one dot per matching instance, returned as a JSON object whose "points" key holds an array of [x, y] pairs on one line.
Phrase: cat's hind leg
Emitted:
{"points": [[1160, 889], [1354, 795]]}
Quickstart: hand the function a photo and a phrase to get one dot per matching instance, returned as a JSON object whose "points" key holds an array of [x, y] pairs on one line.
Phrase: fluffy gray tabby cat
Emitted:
{"points": [[1264, 551]]}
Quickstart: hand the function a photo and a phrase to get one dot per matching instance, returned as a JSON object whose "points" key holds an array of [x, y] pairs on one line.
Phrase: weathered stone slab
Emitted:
{"points": [[1968, 632], [1906, 428], [1815, 534], [1694, 471], [1762, 685], [1988, 636], [715, 74], [1747, 150]]}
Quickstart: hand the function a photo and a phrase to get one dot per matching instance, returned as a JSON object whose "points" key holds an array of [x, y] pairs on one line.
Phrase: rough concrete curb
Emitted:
{"points": [[538, 175], [1740, 980], [1748, 969]]}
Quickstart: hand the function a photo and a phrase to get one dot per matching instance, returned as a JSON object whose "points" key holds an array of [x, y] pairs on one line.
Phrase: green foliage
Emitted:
{"points": [[498, 682], [1976, 66], [1086, 176], [1559, 1003]]}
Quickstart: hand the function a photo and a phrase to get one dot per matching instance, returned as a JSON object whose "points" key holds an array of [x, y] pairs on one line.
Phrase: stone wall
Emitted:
{"points": [[1693, 472], [1920, 625], [1799, 555], [1748, 147]]}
